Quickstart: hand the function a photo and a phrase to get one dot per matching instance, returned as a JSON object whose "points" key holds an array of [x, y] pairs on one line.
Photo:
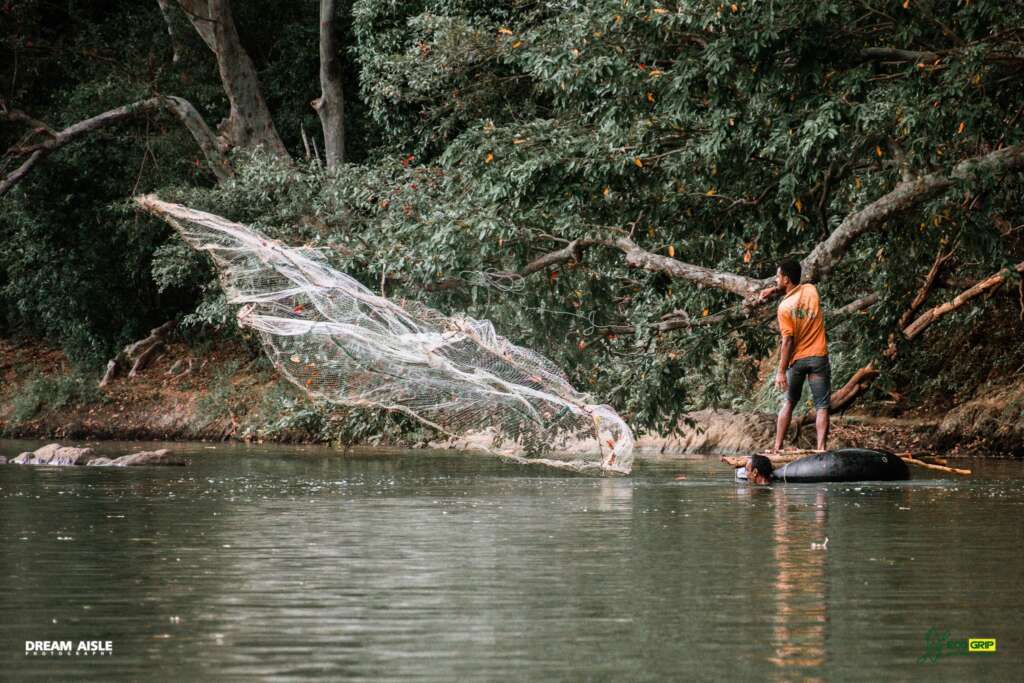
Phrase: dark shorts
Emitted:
{"points": [[819, 375]]}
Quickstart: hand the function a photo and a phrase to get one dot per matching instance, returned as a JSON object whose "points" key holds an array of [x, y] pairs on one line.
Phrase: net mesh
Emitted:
{"points": [[341, 343]]}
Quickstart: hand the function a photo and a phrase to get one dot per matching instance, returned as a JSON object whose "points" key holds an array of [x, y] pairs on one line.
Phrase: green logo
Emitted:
{"points": [[937, 644]]}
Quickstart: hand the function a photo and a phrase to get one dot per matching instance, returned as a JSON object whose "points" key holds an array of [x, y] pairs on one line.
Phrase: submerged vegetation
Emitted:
{"points": [[609, 182]]}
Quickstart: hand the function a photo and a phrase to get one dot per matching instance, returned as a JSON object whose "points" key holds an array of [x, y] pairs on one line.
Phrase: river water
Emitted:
{"points": [[291, 562]]}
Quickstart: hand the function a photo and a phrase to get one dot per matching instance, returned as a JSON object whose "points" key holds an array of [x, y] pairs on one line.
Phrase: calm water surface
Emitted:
{"points": [[276, 562]]}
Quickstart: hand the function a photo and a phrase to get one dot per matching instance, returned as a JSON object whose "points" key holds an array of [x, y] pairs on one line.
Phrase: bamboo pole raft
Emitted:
{"points": [[940, 464]]}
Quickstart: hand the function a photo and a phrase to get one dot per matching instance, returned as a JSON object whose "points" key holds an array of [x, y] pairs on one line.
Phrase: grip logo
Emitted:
{"points": [[975, 645], [938, 644]]}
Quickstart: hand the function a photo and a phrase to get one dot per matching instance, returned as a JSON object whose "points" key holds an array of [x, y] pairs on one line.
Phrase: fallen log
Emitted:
{"points": [[843, 397], [138, 354]]}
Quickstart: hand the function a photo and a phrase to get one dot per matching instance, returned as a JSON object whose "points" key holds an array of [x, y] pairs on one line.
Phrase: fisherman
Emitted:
{"points": [[804, 352], [758, 470]]}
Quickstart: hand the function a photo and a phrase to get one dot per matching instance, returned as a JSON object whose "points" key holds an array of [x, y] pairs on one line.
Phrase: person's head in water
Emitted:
{"points": [[788, 275], [759, 470]]}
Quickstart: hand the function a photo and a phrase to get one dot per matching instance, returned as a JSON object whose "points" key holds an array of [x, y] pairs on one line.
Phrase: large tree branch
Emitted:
{"points": [[931, 315], [897, 55], [819, 264], [249, 123], [330, 106], [828, 253], [176, 105], [637, 257]]}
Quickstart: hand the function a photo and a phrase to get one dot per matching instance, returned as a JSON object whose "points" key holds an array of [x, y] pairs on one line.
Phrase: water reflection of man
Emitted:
{"points": [[800, 626]]}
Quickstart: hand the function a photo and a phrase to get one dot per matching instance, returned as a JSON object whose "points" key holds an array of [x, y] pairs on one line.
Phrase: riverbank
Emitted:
{"points": [[223, 391]]}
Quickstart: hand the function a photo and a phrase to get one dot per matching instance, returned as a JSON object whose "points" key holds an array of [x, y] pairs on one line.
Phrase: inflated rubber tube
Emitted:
{"points": [[844, 464]]}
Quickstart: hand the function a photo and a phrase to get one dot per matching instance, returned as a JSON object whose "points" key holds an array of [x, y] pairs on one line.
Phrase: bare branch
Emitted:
{"points": [[572, 252], [929, 282], [180, 107], [931, 315], [828, 253], [856, 306], [204, 137], [40, 151]]}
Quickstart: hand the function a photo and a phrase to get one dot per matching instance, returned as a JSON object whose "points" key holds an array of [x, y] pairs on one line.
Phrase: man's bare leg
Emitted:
{"points": [[821, 425], [782, 425]]}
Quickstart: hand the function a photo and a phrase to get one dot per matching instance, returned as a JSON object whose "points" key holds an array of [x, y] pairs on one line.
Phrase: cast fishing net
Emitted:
{"points": [[341, 343]]}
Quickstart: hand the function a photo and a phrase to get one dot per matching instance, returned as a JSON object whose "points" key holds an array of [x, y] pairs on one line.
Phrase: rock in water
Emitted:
{"points": [[3, 460], [44, 453], [160, 457], [55, 454], [69, 455]]}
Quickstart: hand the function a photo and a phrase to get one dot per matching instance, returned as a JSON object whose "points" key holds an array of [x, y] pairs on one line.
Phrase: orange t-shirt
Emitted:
{"points": [[800, 317]]}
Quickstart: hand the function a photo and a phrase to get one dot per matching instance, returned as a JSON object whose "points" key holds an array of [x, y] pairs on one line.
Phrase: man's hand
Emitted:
{"points": [[767, 293], [781, 383]]}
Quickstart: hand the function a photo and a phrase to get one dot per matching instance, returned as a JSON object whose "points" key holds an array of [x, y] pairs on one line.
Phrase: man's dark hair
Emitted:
{"points": [[761, 465], [791, 269]]}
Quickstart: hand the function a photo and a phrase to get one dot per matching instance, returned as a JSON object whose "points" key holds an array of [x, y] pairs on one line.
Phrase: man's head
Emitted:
{"points": [[759, 470], [788, 275]]}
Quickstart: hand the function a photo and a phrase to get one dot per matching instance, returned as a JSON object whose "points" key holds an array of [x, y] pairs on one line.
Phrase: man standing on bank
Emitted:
{"points": [[804, 351]]}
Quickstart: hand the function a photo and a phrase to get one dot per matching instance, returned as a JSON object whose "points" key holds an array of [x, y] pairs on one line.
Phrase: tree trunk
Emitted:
{"points": [[165, 10], [249, 123], [330, 106]]}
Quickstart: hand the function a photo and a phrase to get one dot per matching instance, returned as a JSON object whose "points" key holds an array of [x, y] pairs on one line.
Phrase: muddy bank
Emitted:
{"points": [[228, 393]]}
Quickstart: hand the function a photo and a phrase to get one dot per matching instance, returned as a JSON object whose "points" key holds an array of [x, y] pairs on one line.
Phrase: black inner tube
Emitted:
{"points": [[844, 464]]}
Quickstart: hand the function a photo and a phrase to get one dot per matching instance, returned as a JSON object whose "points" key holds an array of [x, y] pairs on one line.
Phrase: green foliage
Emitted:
{"points": [[285, 413], [486, 135], [41, 393], [220, 399]]}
